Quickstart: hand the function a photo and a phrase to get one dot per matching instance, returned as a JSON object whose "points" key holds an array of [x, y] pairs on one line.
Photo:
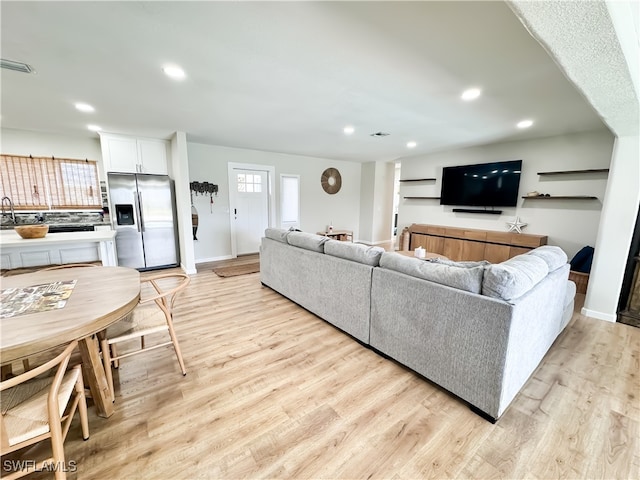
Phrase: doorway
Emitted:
{"points": [[250, 205]]}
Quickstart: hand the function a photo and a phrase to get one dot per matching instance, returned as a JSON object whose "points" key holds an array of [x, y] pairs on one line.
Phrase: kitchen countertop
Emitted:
{"points": [[12, 239], [58, 224]]}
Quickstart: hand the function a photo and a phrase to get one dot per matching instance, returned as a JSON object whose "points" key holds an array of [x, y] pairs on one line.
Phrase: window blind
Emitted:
{"points": [[34, 183]]}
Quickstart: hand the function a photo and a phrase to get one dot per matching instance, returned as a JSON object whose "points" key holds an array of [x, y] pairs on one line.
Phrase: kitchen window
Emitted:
{"points": [[43, 183]]}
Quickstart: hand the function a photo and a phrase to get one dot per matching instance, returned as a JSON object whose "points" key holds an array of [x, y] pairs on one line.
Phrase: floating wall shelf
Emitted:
{"points": [[569, 172], [419, 180], [473, 210], [423, 198], [563, 197]]}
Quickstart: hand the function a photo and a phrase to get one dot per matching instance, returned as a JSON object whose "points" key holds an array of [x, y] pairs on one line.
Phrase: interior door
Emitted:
{"points": [[250, 209]]}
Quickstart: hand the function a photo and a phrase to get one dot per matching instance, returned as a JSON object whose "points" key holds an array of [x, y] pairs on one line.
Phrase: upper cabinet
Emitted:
{"points": [[134, 155]]}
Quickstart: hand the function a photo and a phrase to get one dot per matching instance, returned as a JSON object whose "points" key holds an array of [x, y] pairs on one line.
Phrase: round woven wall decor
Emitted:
{"points": [[331, 181]]}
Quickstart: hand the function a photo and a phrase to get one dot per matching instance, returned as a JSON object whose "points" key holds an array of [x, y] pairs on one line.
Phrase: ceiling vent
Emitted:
{"points": [[379, 134], [16, 66]]}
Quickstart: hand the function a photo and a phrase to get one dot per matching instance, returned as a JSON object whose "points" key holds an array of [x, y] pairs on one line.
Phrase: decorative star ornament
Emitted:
{"points": [[516, 225]]}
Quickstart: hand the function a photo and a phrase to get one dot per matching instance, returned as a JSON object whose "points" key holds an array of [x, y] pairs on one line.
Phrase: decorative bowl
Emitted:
{"points": [[32, 231]]}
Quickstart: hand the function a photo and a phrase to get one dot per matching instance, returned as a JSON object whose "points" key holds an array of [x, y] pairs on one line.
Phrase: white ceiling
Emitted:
{"points": [[287, 76]]}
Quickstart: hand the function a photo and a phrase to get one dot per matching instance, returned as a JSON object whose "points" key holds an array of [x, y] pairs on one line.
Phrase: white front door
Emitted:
{"points": [[250, 208]]}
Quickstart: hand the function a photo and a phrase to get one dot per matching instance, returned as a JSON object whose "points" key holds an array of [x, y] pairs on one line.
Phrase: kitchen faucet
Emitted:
{"points": [[6, 200]]}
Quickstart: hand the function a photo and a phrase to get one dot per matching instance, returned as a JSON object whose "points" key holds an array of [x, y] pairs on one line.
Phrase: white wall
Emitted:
{"points": [[367, 194], [376, 202], [616, 231], [570, 224], [179, 172], [22, 142], [317, 208], [383, 202]]}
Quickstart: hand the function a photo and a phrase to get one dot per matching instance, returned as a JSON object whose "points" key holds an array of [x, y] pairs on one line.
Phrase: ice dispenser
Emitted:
{"points": [[124, 214]]}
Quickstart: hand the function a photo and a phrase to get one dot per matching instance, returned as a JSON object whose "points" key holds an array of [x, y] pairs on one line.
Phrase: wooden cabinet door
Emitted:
{"points": [[513, 251], [453, 249], [473, 251], [496, 253], [134, 155], [119, 154], [152, 156], [435, 245], [418, 240]]}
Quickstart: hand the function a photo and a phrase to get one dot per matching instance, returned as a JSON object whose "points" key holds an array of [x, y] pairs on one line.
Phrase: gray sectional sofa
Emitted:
{"points": [[479, 330]]}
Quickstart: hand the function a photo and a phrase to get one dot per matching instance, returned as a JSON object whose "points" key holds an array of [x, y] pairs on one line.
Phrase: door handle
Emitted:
{"points": [[136, 205], [140, 219]]}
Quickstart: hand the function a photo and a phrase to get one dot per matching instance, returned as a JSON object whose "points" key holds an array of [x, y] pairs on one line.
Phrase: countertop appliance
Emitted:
{"points": [[143, 213]]}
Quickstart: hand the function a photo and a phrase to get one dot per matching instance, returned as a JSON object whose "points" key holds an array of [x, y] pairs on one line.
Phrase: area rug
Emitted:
{"points": [[235, 270]]}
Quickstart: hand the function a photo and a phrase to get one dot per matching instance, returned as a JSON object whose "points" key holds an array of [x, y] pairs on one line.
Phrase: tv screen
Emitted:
{"points": [[483, 185]]}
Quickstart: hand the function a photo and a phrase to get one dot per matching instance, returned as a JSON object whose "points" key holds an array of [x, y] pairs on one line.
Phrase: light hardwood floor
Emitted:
{"points": [[274, 392]]}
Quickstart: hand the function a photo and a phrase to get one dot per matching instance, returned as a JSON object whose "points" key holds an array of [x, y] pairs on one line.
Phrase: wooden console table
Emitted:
{"points": [[342, 235], [427, 255], [470, 244]]}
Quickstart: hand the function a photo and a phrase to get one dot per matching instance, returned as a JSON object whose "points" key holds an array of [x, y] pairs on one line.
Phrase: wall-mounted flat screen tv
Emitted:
{"points": [[483, 185]]}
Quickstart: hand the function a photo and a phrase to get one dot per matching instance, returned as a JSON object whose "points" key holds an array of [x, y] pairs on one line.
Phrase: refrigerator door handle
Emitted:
{"points": [[136, 206], [140, 220]]}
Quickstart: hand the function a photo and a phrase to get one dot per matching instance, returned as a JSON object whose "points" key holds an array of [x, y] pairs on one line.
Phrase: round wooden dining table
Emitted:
{"points": [[100, 297]]}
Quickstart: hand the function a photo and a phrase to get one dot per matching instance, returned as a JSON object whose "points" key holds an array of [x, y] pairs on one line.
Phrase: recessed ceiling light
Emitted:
{"points": [[411, 144], [173, 71], [94, 128], [525, 124], [471, 94], [85, 107], [348, 130]]}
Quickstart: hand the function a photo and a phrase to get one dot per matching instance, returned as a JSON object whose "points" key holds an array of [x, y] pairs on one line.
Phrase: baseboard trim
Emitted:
{"points": [[598, 315], [213, 259]]}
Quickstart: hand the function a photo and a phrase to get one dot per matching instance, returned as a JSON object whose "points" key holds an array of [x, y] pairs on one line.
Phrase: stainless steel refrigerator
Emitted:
{"points": [[144, 217]]}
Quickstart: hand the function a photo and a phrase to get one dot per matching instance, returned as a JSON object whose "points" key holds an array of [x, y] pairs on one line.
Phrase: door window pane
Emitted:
{"points": [[249, 183], [290, 200]]}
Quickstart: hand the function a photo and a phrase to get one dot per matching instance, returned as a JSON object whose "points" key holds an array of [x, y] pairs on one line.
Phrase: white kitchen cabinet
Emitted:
{"points": [[57, 248], [134, 155]]}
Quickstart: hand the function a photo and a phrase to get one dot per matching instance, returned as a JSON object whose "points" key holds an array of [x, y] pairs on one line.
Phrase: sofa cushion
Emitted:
{"points": [[277, 234], [553, 256], [356, 252], [463, 278], [308, 241], [465, 264], [570, 294], [514, 277]]}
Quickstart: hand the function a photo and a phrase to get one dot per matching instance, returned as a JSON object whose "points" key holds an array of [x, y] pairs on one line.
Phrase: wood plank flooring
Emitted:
{"points": [[274, 392]]}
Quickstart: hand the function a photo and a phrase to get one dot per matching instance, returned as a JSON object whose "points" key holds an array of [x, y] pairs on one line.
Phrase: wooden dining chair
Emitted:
{"points": [[33, 409], [154, 314], [69, 265]]}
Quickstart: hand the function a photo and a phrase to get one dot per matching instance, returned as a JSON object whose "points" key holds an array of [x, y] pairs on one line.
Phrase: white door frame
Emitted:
{"points": [[271, 173]]}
